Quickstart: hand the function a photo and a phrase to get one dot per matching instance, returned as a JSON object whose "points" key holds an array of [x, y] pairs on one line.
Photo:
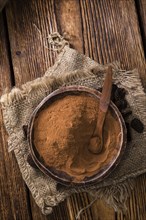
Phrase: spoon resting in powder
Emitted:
{"points": [[96, 141]]}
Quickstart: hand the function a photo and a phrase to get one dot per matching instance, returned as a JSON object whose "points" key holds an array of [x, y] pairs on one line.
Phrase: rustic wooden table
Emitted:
{"points": [[103, 30]]}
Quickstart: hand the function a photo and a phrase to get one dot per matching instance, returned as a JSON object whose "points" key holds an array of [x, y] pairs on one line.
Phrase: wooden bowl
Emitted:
{"points": [[62, 177]]}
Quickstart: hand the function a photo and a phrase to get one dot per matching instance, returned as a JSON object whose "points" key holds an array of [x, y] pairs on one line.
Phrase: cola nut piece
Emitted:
{"points": [[137, 125], [120, 93], [129, 138]]}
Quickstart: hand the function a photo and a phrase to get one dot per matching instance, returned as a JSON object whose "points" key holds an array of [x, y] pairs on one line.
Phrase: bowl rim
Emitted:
{"points": [[104, 172]]}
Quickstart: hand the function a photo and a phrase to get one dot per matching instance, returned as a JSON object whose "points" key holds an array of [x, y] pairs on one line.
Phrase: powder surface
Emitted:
{"points": [[62, 132]]}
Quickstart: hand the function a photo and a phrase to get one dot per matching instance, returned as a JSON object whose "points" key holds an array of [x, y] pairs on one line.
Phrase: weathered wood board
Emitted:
{"points": [[103, 30]]}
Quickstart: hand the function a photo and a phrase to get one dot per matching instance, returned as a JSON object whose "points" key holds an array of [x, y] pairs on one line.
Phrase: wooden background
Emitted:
{"points": [[105, 30]]}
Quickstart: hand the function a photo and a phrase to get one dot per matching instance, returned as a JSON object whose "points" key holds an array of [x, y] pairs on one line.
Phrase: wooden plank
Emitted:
{"points": [[141, 10], [113, 30], [104, 30], [111, 33], [2, 4], [31, 59], [106, 40], [12, 187], [18, 58], [136, 203], [29, 56]]}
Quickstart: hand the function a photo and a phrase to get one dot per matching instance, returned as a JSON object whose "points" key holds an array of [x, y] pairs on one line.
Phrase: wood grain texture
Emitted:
{"points": [[111, 32], [2, 4], [136, 205], [105, 31], [141, 11], [12, 187]]}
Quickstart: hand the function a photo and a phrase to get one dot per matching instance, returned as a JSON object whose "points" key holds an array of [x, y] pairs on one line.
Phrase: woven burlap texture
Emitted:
{"points": [[73, 68]]}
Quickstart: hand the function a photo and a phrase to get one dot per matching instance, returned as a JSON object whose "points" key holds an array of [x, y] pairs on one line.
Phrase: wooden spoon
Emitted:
{"points": [[96, 142]]}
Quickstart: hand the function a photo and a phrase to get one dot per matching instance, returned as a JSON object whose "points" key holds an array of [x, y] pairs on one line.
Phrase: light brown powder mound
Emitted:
{"points": [[62, 134]]}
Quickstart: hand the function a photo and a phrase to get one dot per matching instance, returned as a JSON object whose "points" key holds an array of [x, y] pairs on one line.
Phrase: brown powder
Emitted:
{"points": [[62, 133]]}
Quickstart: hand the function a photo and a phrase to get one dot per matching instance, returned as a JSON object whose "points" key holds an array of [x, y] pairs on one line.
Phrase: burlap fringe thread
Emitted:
{"points": [[115, 195]]}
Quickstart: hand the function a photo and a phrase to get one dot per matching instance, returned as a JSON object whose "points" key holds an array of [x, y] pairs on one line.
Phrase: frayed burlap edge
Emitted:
{"points": [[116, 195], [113, 195]]}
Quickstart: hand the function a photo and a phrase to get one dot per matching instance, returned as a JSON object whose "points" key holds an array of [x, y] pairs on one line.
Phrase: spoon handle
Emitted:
{"points": [[96, 142], [106, 91], [104, 99]]}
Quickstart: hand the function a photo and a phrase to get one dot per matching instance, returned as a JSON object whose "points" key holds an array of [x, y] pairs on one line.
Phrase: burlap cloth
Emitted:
{"points": [[73, 68]]}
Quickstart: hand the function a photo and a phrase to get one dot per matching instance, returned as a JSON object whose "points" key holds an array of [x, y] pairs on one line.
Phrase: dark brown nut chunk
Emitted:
{"points": [[114, 88], [120, 93], [137, 125], [121, 104], [128, 132]]}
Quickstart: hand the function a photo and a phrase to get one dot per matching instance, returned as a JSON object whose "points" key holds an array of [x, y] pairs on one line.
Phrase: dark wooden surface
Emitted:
{"points": [[103, 30], [141, 11]]}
